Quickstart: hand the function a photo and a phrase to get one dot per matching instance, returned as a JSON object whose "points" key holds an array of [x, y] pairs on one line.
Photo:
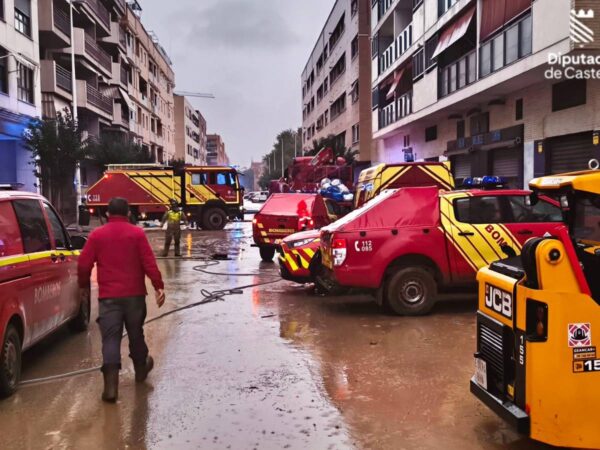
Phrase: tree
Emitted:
{"points": [[56, 146], [272, 160], [117, 149]]}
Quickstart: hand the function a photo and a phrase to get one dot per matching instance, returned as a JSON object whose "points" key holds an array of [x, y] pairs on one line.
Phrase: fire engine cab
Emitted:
{"points": [[38, 280], [411, 244]]}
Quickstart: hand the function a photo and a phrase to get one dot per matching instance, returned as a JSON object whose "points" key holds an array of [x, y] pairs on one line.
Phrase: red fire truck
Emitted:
{"points": [[209, 195], [410, 244]]}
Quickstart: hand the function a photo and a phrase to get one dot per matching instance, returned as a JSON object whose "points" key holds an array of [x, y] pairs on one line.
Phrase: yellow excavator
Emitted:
{"points": [[538, 323]]}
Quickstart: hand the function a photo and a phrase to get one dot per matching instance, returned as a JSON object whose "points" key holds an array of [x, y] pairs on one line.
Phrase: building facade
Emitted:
{"points": [[336, 93], [190, 133], [215, 151], [20, 96], [478, 82]]}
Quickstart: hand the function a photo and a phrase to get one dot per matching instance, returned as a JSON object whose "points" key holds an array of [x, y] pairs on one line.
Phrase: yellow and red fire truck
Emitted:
{"points": [[208, 195]]}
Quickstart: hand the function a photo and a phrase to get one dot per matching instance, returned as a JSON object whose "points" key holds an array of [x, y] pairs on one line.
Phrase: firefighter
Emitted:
{"points": [[173, 218]]}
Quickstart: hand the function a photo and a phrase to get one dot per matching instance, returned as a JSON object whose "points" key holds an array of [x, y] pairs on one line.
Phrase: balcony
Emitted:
{"points": [[398, 109], [92, 48], [116, 37], [54, 25], [90, 98], [397, 48], [55, 79], [120, 116], [99, 11], [119, 75]]}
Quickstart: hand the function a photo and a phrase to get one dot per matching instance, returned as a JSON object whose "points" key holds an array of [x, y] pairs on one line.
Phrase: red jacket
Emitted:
{"points": [[123, 257]]}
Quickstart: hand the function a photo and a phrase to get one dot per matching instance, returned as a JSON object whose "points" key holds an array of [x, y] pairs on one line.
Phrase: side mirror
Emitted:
{"points": [[533, 199], [78, 242]]}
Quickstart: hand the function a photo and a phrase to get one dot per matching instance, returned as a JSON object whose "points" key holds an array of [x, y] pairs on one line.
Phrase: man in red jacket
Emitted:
{"points": [[123, 257]]}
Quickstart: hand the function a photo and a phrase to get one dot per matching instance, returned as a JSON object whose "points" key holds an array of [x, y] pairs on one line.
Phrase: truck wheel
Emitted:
{"points": [[411, 291], [267, 253], [10, 362], [214, 219], [81, 321]]}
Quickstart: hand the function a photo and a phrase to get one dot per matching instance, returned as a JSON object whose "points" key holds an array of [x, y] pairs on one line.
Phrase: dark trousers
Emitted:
{"points": [[169, 236], [114, 314]]}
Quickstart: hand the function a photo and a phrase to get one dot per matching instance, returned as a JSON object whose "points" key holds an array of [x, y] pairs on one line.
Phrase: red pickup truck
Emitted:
{"points": [[410, 244]]}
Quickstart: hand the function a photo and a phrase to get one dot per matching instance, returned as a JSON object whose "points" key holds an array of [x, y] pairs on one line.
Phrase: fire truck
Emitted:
{"points": [[208, 195], [409, 245], [539, 314]]}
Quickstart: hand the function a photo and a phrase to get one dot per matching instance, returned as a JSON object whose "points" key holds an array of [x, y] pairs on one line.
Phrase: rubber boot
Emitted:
{"points": [[142, 370], [111, 384]]}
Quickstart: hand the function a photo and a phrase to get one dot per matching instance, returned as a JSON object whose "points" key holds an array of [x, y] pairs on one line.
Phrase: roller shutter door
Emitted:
{"points": [[571, 153], [506, 163], [461, 166]]}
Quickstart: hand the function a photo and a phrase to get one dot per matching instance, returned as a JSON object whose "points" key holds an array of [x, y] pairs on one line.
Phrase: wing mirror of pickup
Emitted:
{"points": [[78, 242], [532, 200]]}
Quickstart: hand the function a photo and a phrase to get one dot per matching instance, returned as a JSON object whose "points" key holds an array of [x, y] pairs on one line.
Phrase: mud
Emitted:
{"points": [[275, 367]]}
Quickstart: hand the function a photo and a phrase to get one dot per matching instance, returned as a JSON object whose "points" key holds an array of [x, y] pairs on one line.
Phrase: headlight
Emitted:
{"points": [[301, 243]]}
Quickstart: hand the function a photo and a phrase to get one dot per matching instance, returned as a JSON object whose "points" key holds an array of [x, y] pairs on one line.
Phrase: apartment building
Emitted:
{"points": [[190, 133], [215, 151], [151, 81], [336, 81], [20, 96], [477, 82]]}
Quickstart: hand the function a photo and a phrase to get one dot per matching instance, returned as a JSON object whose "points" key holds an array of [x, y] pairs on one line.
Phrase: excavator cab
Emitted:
{"points": [[539, 321]]}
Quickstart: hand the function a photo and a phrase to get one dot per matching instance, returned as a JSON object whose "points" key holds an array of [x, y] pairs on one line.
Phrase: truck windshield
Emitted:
{"points": [[586, 225]]}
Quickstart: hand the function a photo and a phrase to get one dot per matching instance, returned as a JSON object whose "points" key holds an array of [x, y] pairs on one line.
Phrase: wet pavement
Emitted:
{"points": [[272, 367]]}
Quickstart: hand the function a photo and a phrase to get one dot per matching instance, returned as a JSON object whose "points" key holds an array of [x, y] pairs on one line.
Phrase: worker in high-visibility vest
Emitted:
{"points": [[173, 218]]}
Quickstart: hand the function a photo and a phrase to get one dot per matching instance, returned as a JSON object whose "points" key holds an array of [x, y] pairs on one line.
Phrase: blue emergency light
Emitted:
{"points": [[487, 182]]}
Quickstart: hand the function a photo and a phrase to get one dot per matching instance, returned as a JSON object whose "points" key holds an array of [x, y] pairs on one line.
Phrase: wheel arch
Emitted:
{"points": [[17, 321], [413, 260]]}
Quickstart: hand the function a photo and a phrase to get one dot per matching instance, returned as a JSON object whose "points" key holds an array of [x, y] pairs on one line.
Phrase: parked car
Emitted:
{"points": [[38, 280]]}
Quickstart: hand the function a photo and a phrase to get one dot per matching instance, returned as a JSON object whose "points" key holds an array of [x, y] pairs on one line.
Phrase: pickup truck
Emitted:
{"points": [[411, 244]]}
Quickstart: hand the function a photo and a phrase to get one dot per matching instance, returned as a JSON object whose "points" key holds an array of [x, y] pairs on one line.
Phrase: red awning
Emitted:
{"points": [[394, 86], [497, 13], [455, 31]]}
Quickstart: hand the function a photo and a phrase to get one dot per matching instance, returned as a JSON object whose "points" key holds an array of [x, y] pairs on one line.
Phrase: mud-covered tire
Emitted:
{"points": [[10, 362], [267, 253], [410, 291], [214, 219], [81, 321]]}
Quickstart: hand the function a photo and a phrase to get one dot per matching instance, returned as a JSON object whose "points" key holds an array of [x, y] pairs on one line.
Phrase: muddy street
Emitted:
{"points": [[271, 366]]}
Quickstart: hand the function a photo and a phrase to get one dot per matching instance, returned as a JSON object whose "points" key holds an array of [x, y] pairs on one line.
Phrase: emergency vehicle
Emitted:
{"points": [[285, 214], [208, 195], [300, 255], [538, 322], [410, 244], [38, 280]]}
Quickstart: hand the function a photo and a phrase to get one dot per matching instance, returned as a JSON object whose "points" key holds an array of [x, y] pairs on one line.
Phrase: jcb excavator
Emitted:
{"points": [[538, 324]]}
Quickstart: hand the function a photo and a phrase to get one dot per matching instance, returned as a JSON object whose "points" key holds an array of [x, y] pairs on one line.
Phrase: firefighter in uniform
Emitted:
{"points": [[173, 218]]}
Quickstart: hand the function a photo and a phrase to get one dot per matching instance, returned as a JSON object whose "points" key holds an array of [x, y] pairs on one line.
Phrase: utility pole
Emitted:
{"points": [[75, 111], [296, 144], [282, 156]]}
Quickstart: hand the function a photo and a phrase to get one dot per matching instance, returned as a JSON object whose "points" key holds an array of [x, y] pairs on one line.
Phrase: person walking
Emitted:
{"points": [[173, 218], [123, 258]]}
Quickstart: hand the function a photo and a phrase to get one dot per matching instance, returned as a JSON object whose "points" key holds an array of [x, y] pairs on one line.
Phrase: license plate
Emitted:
{"points": [[481, 373]]}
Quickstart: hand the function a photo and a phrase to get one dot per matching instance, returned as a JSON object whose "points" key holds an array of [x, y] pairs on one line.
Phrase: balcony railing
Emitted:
{"points": [[398, 109], [100, 11], [397, 48], [96, 98], [64, 79], [97, 53], [62, 21]]}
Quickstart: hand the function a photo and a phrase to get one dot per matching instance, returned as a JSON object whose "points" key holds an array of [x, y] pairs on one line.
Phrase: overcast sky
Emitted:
{"points": [[249, 54]]}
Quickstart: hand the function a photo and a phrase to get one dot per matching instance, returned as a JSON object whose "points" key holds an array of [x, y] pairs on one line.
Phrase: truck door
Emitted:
{"points": [[527, 221], [476, 234], [225, 185]]}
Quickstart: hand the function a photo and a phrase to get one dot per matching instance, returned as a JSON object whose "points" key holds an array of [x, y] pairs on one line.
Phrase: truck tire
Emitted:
{"points": [[10, 362], [214, 219], [267, 253], [80, 322], [410, 291]]}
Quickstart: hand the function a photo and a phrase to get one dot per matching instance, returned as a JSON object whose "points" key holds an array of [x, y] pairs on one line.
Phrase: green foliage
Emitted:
{"points": [[272, 160], [117, 149], [339, 149]]}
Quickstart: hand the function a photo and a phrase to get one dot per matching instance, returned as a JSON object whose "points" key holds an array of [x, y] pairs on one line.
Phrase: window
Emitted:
{"points": [[199, 179], [337, 32], [569, 94], [355, 133], [10, 236], [338, 69], [445, 5], [375, 46], [480, 124], [61, 239], [2, 9], [25, 83], [407, 141], [431, 134], [430, 47], [512, 44], [225, 179], [375, 98], [3, 71], [33, 226], [460, 129], [498, 52], [478, 210], [354, 47], [354, 7], [23, 17], [355, 92], [519, 109], [418, 64], [485, 59], [587, 218], [540, 212], [338, 107]]}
